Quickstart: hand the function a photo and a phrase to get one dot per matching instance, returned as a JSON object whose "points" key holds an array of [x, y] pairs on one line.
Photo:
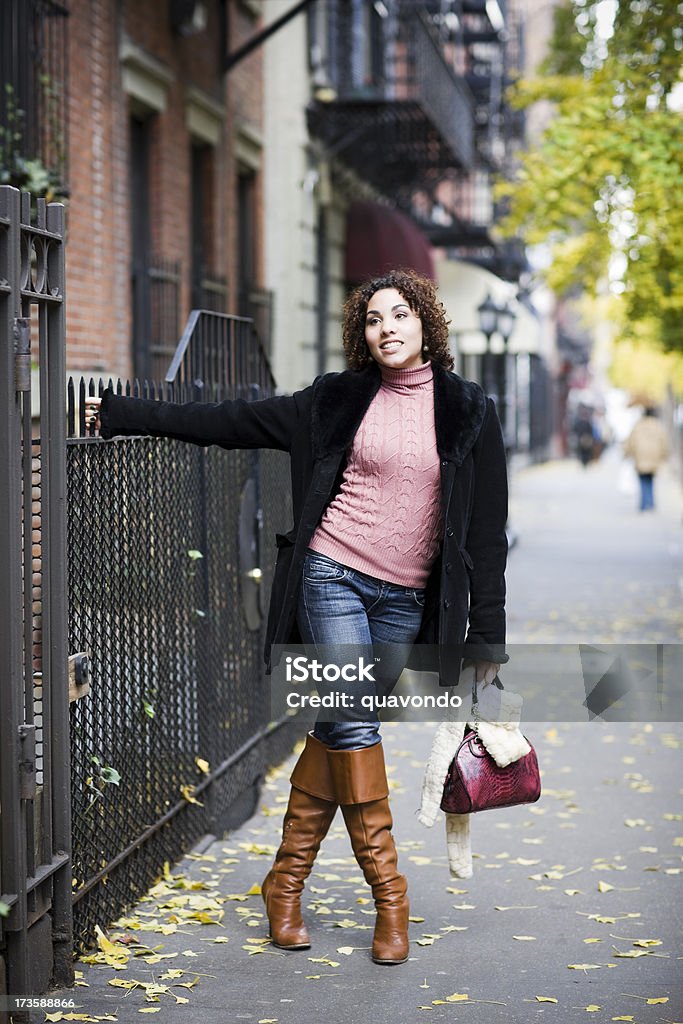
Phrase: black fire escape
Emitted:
{"points": [[411, 97], [387, 102]]}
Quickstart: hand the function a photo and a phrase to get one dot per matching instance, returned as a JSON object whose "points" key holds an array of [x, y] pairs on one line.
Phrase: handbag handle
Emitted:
{"points": [[497, 682]]}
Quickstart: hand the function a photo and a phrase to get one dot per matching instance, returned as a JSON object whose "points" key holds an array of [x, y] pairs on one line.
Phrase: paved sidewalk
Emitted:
{"points": [[590, 876]]}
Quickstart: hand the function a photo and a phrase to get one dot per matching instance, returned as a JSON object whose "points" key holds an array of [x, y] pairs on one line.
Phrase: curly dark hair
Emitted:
{"points": [[420, 294]]}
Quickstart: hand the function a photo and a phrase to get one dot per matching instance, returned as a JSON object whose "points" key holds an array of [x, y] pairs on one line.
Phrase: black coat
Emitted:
{"points": [[316, 426]]}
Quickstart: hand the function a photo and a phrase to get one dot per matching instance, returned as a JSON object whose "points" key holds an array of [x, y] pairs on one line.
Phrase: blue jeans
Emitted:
{"points": [[647, 491], [358, 617]]}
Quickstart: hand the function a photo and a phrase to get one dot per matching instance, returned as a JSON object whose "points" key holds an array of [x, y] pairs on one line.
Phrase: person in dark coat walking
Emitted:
{"points": [[399, 493]]}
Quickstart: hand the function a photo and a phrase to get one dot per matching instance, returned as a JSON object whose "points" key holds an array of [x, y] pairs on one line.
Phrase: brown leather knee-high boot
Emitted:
{"points": [[360, 786], [311, 808]]}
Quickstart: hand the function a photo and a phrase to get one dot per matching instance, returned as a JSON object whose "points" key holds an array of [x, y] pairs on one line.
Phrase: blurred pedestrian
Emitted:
{"points": [[584, 434], [648, 446], [400, 503]]}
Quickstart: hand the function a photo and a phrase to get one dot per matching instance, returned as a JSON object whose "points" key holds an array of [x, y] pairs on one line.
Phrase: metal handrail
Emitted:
{"points": [[220, 352]]}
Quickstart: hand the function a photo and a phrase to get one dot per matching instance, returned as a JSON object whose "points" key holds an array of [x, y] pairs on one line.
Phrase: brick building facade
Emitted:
{"points": [[165, 155]]}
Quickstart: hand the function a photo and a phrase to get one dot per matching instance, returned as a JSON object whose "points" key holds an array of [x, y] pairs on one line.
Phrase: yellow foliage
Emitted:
{"points": [[645, 370]]}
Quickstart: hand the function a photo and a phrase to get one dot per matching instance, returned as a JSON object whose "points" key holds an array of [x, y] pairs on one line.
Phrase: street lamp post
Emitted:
{"points": [[501, 319], [488, 319], [492, 319], [506, 323]]}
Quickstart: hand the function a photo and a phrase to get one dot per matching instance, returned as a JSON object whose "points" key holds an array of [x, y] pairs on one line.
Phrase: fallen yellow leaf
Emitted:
{"points": [[188, 793], [188, 984], [592, 1008], [525, 938], [605, 887], [657, 999], [202, 765], [457, 997], [583, 967], [546, 999]]}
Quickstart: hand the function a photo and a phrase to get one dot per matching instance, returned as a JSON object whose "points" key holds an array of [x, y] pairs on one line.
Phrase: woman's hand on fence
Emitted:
{"points": [[92, 412]]}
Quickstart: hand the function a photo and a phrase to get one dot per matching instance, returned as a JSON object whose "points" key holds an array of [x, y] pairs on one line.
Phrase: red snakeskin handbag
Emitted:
{"points": [[475, 782]]}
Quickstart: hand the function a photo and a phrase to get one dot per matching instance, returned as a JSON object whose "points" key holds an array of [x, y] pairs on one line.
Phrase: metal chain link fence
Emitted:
{"points": [[159, 533]]}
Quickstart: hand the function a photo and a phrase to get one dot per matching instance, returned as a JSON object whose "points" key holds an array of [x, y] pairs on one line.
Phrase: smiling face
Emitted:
{"points": [[393, 332]]}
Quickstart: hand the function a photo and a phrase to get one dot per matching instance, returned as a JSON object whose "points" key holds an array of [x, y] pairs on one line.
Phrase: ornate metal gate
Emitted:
{"points": [[35, 813]]}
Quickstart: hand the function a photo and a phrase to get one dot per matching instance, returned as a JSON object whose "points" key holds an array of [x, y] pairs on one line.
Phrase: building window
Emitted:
{"points": [[155, 282], [33, 96], [246, 240], [208, 289]]}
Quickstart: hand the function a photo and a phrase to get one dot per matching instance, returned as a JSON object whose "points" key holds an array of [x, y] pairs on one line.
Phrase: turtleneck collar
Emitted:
{"points": [[414, 377]]}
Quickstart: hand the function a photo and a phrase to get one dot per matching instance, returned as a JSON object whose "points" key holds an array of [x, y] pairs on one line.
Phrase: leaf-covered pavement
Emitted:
{"points": [[572, 900], [573, 912]]}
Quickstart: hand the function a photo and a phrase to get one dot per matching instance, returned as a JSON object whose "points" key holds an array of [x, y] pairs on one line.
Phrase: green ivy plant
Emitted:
{"points": [[29, 174], [103, 775]]}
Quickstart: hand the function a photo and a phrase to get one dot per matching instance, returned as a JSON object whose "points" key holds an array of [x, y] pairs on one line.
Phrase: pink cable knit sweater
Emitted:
{"points": [[385, 520]]}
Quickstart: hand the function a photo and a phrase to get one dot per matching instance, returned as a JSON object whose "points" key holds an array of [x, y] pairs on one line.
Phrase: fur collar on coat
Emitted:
{"points": [[459, 408]]}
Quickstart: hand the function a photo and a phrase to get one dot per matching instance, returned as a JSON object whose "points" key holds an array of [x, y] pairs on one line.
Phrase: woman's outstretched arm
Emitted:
{"points": [[268, 423]]}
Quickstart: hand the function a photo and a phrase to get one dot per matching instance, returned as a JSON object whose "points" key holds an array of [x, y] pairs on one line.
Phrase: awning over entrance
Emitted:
{"points": [[380, 238]]}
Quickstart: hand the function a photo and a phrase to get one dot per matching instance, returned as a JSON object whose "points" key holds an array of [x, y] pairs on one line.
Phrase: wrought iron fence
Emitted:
{"points": [[156, 302], [35, 868], [258, 304], [167, 580], [210, 291]]}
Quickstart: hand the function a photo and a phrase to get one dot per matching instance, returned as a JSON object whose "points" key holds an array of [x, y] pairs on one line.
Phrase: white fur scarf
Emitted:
{"points": [[496, 722]]}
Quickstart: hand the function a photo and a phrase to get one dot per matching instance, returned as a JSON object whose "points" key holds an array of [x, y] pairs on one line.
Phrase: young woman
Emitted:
{"points": [[400, 504]]}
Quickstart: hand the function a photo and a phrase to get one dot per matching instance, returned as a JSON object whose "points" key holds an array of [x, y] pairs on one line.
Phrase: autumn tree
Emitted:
{"points": [[603, 184]]}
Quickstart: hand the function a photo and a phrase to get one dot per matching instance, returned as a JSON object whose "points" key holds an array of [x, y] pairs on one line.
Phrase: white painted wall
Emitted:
{"points": [[295, 183]]}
